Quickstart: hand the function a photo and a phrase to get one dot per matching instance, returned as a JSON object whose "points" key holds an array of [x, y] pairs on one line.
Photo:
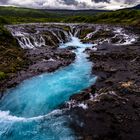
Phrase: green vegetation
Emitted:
{"points": [[2, 75], [16, 15], [43, 13], [23, 12], [125, 17], [11, 55]]}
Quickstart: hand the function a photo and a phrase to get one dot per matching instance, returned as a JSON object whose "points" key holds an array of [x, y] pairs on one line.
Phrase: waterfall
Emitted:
{"points": [[30, 42], [32, 36], [75, 30]]}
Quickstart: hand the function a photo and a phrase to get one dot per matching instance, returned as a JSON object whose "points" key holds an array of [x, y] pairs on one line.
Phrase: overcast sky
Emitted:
{"points": [[72, 4]]}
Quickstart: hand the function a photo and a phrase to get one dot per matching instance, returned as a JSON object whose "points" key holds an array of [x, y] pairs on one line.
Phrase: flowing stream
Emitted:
{"points": [[31, 110]]}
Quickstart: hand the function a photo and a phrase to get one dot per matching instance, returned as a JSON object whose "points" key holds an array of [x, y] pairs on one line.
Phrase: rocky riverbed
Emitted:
{"points": [[32, 49], [110, 110], [39, 61]]}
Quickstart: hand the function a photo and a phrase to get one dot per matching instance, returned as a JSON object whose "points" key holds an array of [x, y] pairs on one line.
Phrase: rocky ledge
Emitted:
{"points": [[110, 110], [39, 61]]}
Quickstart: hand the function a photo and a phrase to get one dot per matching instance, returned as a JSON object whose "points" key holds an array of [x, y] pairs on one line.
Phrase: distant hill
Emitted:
{"points": [[43, 13], [22, 15], [15, 15], [23, 12], [137, 7], [63, 12]]}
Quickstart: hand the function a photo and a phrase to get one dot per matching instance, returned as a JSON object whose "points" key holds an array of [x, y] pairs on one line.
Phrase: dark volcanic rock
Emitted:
{"points": [[108, 117], [113, 105], [118, 63]]}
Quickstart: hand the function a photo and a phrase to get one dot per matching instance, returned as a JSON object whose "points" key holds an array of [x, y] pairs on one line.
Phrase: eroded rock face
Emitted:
{"points": [[119, 64], [108, 116], [110, 110]]}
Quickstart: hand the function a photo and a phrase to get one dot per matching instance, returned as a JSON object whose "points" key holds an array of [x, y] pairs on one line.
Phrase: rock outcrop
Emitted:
{"points": [[110, 110]]}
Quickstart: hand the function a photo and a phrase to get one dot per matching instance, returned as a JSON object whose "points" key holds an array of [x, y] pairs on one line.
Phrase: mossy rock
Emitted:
{"points": [[12, 55], [2, 75], [3, 21], [86, 31]]}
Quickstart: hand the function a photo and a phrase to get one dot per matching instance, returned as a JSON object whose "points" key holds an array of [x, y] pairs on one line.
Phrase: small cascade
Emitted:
{"points": [[71, 29], [111, 35], [123, 37], [75, 30], [33, 36], [89, 35], [30, 42]]}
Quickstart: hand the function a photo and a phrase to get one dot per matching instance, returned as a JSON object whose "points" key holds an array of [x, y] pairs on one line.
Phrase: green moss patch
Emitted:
{"points": [[2, 75]]}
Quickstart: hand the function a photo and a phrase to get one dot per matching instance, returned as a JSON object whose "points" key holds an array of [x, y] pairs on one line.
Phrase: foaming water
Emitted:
{"points": [[29, 111]]}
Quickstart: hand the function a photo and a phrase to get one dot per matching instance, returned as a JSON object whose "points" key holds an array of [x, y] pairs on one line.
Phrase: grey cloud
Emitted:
{"points": [[4, 1], [68, 3], [97, 1]]}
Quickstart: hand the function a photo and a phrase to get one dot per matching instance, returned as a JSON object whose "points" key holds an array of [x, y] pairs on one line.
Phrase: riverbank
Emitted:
{"points": [[24, 56], [110, 110], [39, 61]]}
